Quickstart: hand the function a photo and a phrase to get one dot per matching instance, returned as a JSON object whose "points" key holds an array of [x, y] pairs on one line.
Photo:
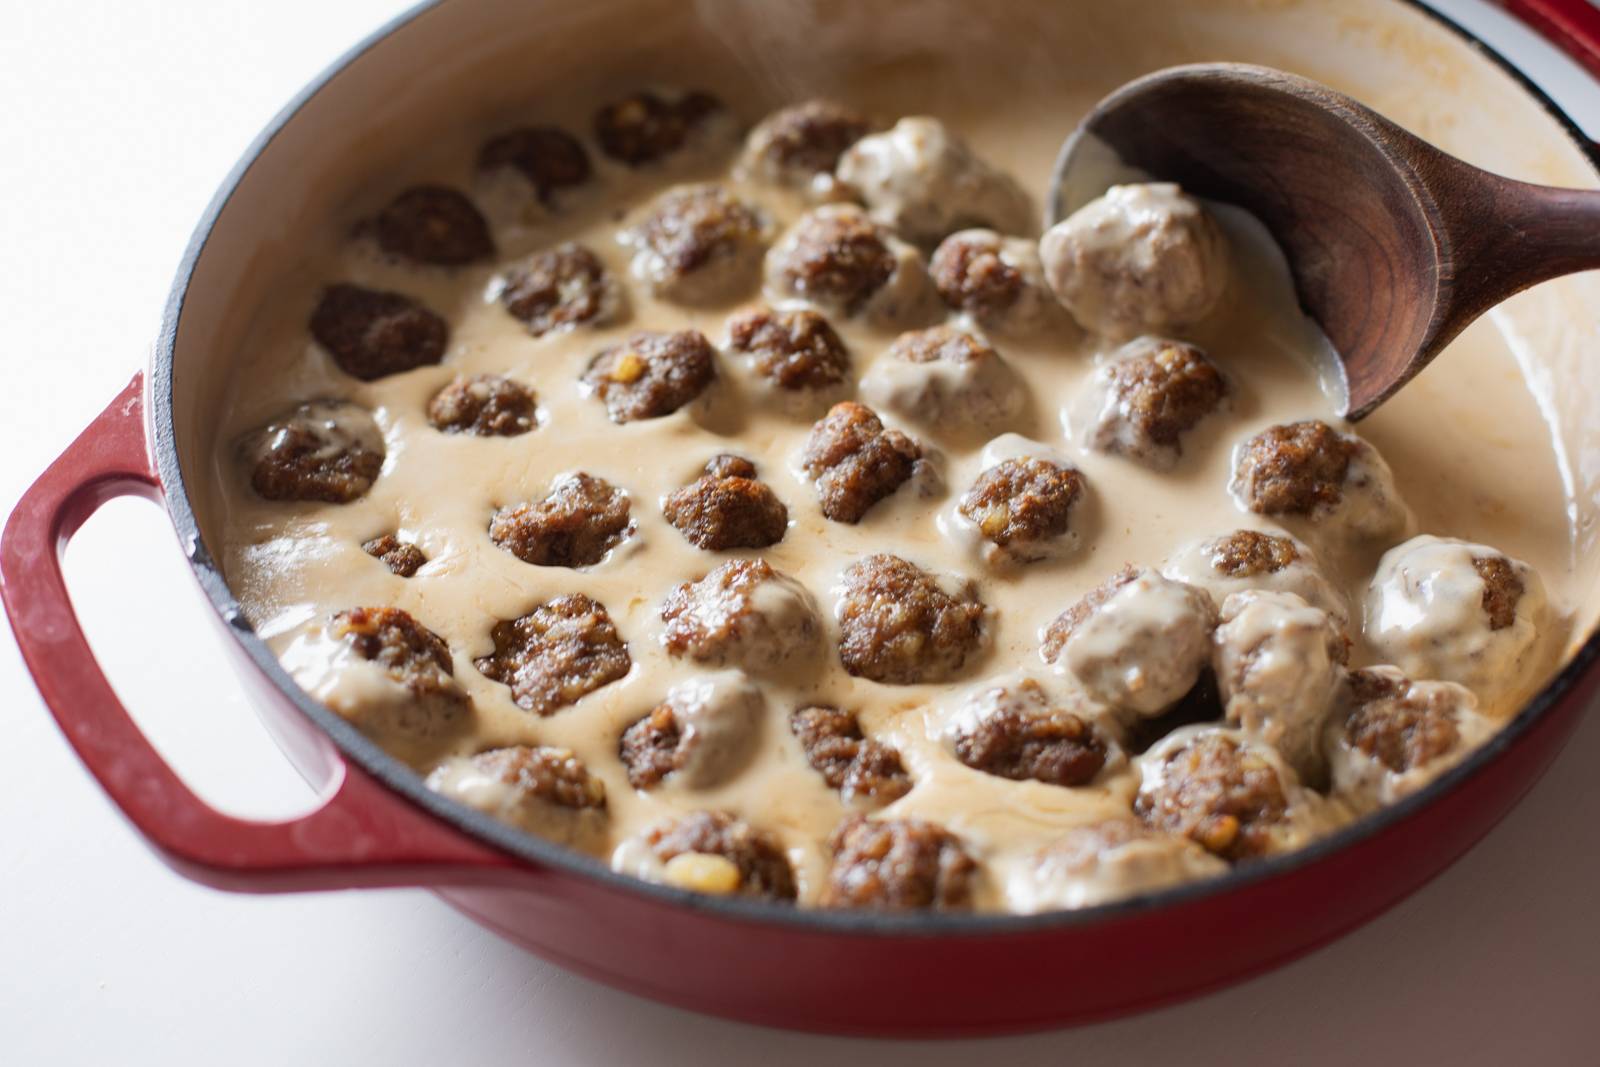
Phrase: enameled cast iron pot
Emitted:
{"points": [[862, 973]]}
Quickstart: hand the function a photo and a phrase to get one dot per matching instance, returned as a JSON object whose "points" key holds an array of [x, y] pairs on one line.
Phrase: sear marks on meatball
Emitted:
{"points": [[1219, 793], [434, 224], [794, 144], [727, 508], [855, 461], [699, 244], [1294, 469], [1063, 626], [373, 334], [792, 349], [939, 344], [1022, 736], [861, 769], [897, 864], [1251, 554], [1502, 590], [560, 288], [653, 747], [898, 625], [835, 257], [484, 405], [324, 450], [581, 519], [409, 652], [644, 128], [1019, 504], [652, 375], [556, 654], [400, 557], [752, 862], [972, 276], [1398, 723], [1152, 393], [745, 612], [550, 158], [554, 775]]}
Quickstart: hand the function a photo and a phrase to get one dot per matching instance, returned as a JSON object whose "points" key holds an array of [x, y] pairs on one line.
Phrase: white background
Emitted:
{"points": [[118, 120]]}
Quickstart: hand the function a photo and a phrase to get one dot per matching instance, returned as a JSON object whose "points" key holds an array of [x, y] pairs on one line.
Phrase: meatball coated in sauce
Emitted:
{"points": [[714, 852], [652, 375], [645, 127], [1391, 735], [863, 770], [1250, 559], [325, 450], [561, 288], [902, 625], [727, 508], [922, 180], [702, 735], [1113, 859], [1022, 508], [795, 351], [556, 654], [1152, 392], [840, 260], [897, 864], [997, 280], [484, 405], [856, 462], [372, 334], [698, 245], [799, 146], [436, 225], [581, 520], [944, 377], [402, 558], [1140, 259], [551, 159], [1459, 612], [1017, 730], [744, 613], [540, 789], [1329, 482]]}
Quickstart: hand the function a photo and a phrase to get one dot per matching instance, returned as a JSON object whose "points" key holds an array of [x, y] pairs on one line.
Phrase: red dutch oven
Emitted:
{"points": [[839, 972]]}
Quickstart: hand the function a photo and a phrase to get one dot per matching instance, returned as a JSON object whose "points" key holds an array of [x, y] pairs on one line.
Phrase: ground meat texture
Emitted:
{"points": [[835, 257], [699, 244], [550, 158], [1020, 503], [556, 654], [374, 334], [485, 405], [645, 128], [1218, 792], [971, 276], [652, 375], [727, 508], [408, 651], [1152, 393], [858, 767], [793, 350], [944, 377], [855, 461], [897, 864], [898, 625], [1294, 469], [538, 789], [1502, 590], [1023, 737], [1399, 724], [559, 288], [652, 747], [757, 857], [703, 734], [1251, 553], [325, 450], [794, 144], [554, 775], [744, 612], [401, 558], [1065, 624], [434, 224], [581, 519]]}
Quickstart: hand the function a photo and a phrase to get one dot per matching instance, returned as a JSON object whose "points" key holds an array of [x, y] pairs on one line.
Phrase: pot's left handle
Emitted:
{"points": [[362, 836]]}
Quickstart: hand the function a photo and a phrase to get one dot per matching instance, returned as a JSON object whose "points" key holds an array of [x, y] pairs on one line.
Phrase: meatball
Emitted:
{"points": [[1226, 792], [743, 613], [1140, 259], [484, 405], [558, 653], [1310, 474], [1278, 661], [1151, 393], [1250, 559], [1459, 612], [646, 128], [550, 159], [944, 377], [897, 864], [840, 260], [434, 224], [727, 508], [1137, 643], [714, 852], [901, 625], [856, 462], [1022, 508], [796, 352], [543, 790], [652, 375], [698, 244], [325, 450], [997, 280], [924, 182], [1015, 729], [561, 288], [703, 734], [400, 557], [581, 520], [1113, 859], [798, 146], [373, 334], [861, 769]]}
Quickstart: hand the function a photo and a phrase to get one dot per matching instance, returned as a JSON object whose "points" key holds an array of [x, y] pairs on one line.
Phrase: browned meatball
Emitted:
{"points": [[553, 775], [897, 863], [561, 287], [899, 626], [763, 869], [1062, 626], [556, 654], [324, 450], [794, 350], [855, 461], [836, 258], [794, 144], [652, 747], [434, 224], [1399, 724], [408, 651], [1022, 736], [1022, 504], [1295, 469], [1151, 394], [400, 557], [972, 276], [1217, 791], [652, 375], [699, 244], [550, 158], [644, 128], [485, 405], [743, 612], [581, 519], [704, 733], [1250, 554], [1502, 590], [372, 334], [723, 510], [858, 767]]}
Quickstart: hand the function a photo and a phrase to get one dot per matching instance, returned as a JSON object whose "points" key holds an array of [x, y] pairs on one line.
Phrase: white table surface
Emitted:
{"points": [[119, 120]]}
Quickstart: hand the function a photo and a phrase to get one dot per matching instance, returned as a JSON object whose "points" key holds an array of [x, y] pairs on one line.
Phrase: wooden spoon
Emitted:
{"points": [[1394, 246]]}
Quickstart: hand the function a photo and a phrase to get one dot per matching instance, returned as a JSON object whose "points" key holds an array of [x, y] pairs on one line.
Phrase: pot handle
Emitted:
{"points": [[1572, 25], [363, 835]]}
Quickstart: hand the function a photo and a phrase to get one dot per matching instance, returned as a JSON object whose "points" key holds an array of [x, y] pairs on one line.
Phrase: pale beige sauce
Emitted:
{"points": [[1479, 466]]}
